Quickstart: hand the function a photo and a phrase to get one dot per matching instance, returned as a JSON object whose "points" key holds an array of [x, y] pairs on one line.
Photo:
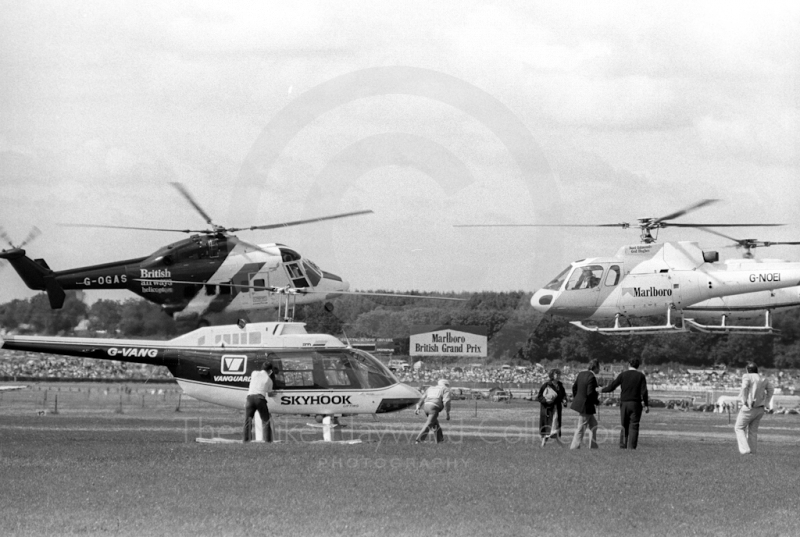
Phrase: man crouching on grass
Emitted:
{"points": [[434, 400]]}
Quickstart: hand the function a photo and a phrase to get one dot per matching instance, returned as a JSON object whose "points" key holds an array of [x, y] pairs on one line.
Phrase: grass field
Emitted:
{"points": [[92, 470]]}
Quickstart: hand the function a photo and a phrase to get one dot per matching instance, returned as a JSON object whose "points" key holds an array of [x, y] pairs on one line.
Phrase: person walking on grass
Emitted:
{"points": [[551, 398], [755, 395], [584, 402], [632, 399]]}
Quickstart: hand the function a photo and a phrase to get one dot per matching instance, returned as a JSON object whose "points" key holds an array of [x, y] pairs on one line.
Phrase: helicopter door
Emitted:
{"points": [[293, 263], [297, 276], [583, 289], [260, 282]]}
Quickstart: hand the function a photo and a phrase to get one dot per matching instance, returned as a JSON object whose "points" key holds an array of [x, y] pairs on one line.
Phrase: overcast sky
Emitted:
{"points": [[429, 114]]}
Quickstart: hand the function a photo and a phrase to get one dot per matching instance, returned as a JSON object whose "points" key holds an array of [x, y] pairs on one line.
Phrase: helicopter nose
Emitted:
{"points": [[542, 300]]}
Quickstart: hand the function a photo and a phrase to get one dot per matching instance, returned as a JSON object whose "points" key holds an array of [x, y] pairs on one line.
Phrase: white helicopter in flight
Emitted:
{"points": [[676, 279]]}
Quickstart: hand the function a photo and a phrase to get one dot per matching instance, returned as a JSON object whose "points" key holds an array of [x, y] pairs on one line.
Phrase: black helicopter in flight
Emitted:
{"points": [[210, 275]]}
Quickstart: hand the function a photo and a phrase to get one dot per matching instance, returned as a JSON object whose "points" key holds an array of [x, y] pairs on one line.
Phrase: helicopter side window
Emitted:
{"points": [[330, 370], [258, 285], [336, 368], [612, 278], [555, 284], [213, 248], [298, 371], [587, 277]]}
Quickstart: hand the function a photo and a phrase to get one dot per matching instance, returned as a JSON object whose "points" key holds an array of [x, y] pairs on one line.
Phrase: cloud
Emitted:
{"points": [[771, 138]]}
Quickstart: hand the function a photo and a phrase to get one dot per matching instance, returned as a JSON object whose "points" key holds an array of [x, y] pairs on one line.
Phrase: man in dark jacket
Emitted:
{"points": [[584, 402], [632, 395]]}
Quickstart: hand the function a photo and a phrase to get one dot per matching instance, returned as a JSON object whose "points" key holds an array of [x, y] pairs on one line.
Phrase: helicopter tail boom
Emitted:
{"points": [[36, 275]]}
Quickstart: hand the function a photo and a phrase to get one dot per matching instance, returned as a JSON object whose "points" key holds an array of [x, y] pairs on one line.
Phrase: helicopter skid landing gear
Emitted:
{"points": [[723, 328], [332, 431], [618, 330]]}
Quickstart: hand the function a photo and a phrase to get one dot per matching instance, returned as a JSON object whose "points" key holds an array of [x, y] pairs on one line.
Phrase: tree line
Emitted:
{"points": [[516, 333]]}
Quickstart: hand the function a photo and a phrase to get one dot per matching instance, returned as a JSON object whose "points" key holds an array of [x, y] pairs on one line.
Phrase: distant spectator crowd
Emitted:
{"points": [[21, 364], [15, 364], [785, 382]]}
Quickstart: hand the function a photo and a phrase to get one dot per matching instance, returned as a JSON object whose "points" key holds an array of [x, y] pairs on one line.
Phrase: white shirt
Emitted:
{"points": [[260, 383], [756, 391]]}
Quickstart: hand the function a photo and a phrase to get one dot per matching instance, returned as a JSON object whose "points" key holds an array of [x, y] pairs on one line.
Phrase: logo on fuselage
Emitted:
{"points": [[233, 365], [155, 273], [651, 292], [128, 352], [316, 400]]}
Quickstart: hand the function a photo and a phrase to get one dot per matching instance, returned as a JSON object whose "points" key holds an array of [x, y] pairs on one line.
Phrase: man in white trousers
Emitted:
{"points": [[756, 396]]}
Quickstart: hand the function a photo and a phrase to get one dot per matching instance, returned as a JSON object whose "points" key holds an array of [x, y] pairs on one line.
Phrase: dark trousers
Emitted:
{"points": [[630, 414], [257, 403], [431, 424]]}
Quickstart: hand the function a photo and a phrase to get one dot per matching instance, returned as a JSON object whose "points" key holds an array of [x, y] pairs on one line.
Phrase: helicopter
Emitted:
{"points": [[670, 278], [210, 276], [748, 306], [316, 374]]}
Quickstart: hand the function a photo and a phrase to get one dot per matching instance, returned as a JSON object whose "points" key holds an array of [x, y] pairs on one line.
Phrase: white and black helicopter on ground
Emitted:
{"points": [[316, 374], [676, 279], [209, 278]]}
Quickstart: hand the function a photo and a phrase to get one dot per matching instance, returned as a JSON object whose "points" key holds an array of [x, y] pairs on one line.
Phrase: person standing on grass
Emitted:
{"points": [[633, 397], [551, 397], [260, 387], [433, 401], [584, 402], [756, 394]]}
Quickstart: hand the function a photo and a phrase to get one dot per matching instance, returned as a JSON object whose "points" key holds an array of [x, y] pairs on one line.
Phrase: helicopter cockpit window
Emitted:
{"points": [[587, 277], [612, 278], [370, 372], [555, 285], [314, 276]]}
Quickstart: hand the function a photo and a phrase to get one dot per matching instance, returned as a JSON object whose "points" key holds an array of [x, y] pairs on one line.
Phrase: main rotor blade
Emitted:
{"points": [[367, 293], [685, 210], [190, 199], [138, 228], [738, 241], [299, 222], [623, 225], [670, 224]]}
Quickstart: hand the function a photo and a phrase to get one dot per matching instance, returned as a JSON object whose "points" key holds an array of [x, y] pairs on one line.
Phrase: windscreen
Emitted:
{"points": [[345, 369], [555, 284]]}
